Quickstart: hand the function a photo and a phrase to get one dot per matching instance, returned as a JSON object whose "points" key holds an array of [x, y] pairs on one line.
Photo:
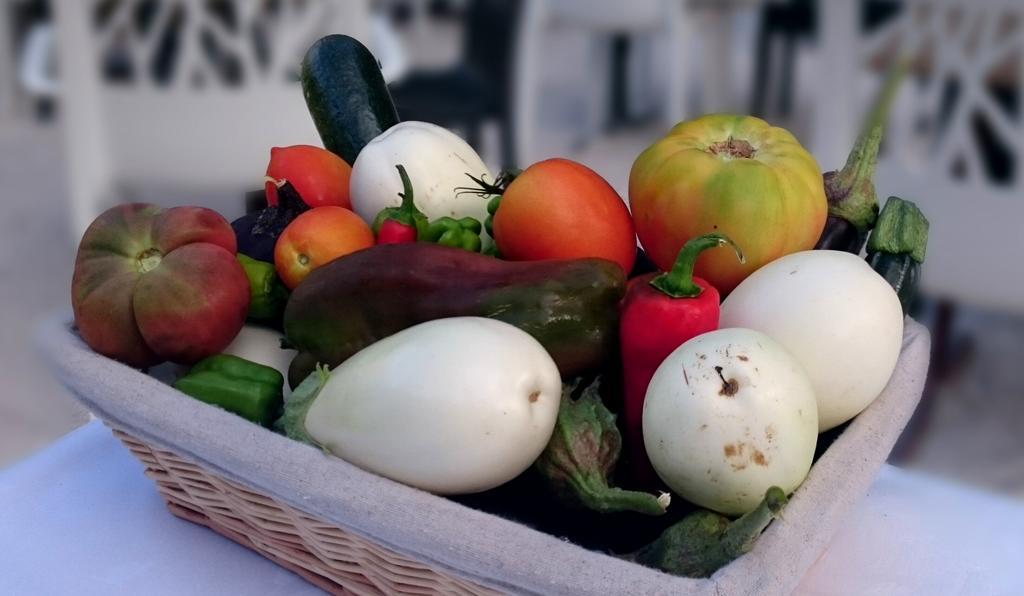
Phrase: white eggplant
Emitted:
{"points": [[728, 415], [451, 406], [839, 318], [437, 162]]}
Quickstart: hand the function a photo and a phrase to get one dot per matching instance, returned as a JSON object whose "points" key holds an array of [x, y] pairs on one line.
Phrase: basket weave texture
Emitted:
{"points": [[334, 560], [347, 530]]}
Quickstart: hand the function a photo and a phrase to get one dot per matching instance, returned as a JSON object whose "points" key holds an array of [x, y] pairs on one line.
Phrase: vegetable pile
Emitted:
{"points": [[504, 342]]}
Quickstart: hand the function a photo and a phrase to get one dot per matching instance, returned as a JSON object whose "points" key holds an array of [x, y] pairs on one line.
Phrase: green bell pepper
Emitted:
{"points": [[251, 390], [268, 295], [459, 233]]}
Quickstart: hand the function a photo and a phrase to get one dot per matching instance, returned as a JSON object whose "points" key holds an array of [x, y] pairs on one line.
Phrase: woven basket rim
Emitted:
{"points": [[69, 356]]}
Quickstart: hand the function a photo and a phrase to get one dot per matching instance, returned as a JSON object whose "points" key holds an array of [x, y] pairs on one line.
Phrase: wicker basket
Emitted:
{"points": [[325, 555], [346, 530]]}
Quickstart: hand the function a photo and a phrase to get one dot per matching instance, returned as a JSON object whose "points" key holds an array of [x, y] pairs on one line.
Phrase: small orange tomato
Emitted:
{"points": [[560, 209], [316, 238], [319, 176]]}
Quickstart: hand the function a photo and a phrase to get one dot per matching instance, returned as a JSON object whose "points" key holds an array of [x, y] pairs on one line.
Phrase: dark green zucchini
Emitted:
{"points": [[897, 247], [570, 307], [346, 95]]}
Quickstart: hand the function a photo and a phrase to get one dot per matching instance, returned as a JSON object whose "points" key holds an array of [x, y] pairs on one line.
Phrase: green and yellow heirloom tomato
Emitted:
{"points": [[736, 175]]}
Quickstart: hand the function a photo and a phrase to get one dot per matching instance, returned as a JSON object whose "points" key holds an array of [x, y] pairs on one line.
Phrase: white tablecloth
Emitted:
{"points": [[82, 518]]}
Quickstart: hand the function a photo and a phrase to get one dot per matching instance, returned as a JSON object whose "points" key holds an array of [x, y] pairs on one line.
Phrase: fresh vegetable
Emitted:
{"points": [[571, 307], [838, 318], [897, 248], [437, 161], [560, 209], [453, 406], [262, 346], [316, 238], [320, 177], [731, 174], [267, 295], [492, 207], [852, 202], [660, 313], [458, 233], [402, 224], [346, 95], [704, 542], [251, 390], [257, 232], [728, 415], [582, 455], [153, 284]]}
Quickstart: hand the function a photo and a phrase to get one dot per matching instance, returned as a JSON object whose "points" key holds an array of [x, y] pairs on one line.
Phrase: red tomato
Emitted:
{"points": [[316, 238], [319, 176], [560, 209]]}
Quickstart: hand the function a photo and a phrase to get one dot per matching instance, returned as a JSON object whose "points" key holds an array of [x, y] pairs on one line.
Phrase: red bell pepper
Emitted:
{"points": [[660, 313]]}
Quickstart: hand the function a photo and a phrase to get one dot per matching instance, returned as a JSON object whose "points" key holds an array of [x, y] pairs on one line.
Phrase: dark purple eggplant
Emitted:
{"points": [[257, 232]]}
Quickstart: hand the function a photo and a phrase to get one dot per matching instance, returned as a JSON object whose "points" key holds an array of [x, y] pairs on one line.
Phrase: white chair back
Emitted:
{"points": [[950, 146], [207, 122]]}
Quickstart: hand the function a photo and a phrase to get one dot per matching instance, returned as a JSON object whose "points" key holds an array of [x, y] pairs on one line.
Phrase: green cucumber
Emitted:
{"points": [[346, 95]]}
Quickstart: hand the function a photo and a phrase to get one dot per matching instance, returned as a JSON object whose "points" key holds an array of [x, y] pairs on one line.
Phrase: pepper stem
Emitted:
{"points": [[408, 205], [679, 283], [741, 534]]}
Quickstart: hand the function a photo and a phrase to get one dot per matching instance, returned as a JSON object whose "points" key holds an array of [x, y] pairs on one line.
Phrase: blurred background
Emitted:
{"points": [[180, 101]]}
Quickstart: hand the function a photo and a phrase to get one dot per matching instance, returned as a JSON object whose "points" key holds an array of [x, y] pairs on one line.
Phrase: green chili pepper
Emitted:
{"points": [[267, 294], [459, 233], [251, 390]]}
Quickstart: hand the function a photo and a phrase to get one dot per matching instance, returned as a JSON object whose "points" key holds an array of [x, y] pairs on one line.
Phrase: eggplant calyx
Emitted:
{"points": [[296, 407], [704, 541], [902, 230], [582, 453]]}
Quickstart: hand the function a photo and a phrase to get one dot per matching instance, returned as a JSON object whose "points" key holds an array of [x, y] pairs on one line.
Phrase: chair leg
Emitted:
{"points": [[526, 81], [678, 29], [507, 131], [473, 134], [763, 64]]}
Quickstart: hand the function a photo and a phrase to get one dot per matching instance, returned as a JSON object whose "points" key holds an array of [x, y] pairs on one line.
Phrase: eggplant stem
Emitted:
{"points": [[741, 534]]}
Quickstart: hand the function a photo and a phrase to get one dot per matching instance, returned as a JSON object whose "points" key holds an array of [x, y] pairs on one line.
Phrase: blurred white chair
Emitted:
{"points": [[660, 17], [8, 97], [207, 123], [943, 119]]}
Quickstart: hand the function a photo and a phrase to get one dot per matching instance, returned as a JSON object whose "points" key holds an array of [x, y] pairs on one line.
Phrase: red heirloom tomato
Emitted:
{"points": [[153, 284]]}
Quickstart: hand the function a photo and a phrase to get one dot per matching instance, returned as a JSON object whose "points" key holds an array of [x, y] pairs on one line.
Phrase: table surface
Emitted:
{"points": [[82, 518]]}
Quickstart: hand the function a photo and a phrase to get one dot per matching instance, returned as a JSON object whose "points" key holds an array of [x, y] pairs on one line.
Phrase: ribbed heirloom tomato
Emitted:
{"points": [[560, 209], [736, 175]]}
